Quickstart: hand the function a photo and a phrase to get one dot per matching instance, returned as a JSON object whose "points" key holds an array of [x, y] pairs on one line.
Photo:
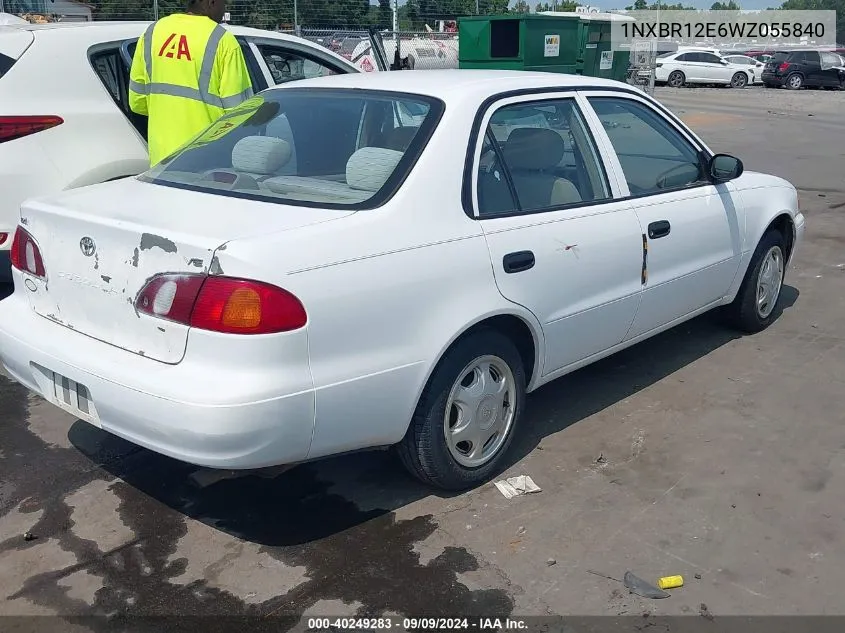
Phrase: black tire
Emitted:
{"points": [[742, 313], [739, 80], [794, 82], [424, 451], [679, 79]]}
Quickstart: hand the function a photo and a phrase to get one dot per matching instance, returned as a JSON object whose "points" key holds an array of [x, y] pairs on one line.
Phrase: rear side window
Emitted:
{"points": [[348, 149], [6, 63]]}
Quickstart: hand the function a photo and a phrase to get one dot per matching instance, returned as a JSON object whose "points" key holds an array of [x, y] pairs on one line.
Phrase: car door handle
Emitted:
{"points": [[659, 229], [517, 262]]}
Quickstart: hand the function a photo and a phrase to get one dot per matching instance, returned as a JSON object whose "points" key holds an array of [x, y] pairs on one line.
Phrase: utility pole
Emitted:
{"points": [[396, 22], [155, 10], [296, 18]]}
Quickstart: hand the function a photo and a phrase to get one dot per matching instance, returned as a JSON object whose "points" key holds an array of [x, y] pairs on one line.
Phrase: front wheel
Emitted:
{"points": [[739, 80], [753, 310], [467, 414], [676, 79]]}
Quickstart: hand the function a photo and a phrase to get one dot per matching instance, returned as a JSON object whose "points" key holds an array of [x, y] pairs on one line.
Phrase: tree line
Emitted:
{"points": [[361, 14]]}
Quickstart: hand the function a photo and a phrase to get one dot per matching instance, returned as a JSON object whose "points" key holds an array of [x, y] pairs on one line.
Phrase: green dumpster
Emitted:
{"points": [[597, 58], [571, 43], [519, 42]]}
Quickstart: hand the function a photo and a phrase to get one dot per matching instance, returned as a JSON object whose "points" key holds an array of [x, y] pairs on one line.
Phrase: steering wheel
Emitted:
{"points": [[661, 179]]}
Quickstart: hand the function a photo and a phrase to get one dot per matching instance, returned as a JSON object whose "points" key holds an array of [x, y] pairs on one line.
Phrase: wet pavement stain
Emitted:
{"points": [[348, 555]]}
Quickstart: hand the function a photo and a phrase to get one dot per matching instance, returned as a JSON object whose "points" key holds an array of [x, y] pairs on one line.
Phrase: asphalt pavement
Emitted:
{"points": [[700, 452]]}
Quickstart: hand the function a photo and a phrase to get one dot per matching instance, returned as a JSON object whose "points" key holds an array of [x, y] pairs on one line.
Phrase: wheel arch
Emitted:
{"points": [[782, 221], [520, 326]]}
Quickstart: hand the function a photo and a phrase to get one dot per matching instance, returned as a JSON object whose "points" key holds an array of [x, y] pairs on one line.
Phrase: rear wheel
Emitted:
{"points": [[739, 80], [676, 79], [753, 309], [794, 81], [467, 413]]}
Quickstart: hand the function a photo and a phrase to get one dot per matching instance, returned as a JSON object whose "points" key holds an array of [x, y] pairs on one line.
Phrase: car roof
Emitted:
{"points": [[454, 85], [120, 28]]}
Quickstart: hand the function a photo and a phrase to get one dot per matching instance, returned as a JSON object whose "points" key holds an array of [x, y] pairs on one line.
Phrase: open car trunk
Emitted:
{"points": [[101, 244]]}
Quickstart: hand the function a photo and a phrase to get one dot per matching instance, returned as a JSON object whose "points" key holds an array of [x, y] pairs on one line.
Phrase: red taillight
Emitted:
{"points": [[25, 254], [3, 238], [12, 127], [221, 304], [783, 67]]}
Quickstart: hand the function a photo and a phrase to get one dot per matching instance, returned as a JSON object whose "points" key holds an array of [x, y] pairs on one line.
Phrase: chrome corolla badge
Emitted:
{"points": [[87, 246]]}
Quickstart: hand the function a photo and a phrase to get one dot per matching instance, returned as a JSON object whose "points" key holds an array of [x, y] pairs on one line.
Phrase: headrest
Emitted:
{"points": [[534, 148], [260, 155], [400, 138], [370, 167]]}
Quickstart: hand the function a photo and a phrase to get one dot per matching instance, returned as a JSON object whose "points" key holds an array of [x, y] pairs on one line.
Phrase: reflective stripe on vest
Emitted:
{"points": [[203, 93]]}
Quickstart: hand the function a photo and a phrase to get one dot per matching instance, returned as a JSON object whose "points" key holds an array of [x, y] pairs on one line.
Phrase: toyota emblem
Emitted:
{"points": [[87, 246]]}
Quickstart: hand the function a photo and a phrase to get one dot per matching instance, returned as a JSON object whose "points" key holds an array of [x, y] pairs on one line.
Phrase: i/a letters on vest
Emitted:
{"points": [[173, 48]]}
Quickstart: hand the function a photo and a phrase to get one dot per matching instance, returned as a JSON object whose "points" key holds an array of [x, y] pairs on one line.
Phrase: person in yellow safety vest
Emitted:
{"points": [[187, 72]]}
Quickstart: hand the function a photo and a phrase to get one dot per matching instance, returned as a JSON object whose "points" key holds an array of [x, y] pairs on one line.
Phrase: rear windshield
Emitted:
{"points": [[6, 63], [329, 148]]}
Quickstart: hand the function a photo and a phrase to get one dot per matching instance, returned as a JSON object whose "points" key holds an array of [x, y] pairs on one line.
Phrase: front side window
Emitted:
{"points": [[538, 156], [654, 156], [286, 65], [307, 147]]}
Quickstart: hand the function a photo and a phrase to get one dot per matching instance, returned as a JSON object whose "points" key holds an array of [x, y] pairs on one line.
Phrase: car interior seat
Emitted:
{"points": [[532, 156]]}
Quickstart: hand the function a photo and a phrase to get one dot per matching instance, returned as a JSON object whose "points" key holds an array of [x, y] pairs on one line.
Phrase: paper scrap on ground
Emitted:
{"points": [[516, 486]]}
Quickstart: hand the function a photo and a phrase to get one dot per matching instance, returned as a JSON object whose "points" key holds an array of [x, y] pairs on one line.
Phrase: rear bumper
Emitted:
{"points": [[771, 79], [224, 415]]}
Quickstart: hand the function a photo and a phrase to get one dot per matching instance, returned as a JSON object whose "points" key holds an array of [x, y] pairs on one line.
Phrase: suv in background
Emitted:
{"points": [[799, 68]]}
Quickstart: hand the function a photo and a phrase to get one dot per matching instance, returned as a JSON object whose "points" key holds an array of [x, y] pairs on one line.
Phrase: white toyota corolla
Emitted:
{"points": [[391, 259]]}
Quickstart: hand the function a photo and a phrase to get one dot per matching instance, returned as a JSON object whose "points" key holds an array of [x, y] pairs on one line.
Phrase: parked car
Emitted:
{"points": [[64, 115], [804, 68], [235, 312], [700, 67], [754, 65]]}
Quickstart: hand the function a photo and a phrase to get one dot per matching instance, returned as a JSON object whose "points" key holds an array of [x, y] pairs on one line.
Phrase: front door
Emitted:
{"points": [[691, 227], [560, 242]]}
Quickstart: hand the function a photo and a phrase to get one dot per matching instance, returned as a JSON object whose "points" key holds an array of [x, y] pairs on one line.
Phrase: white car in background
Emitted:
{"points": [[754, 65], [64, 115], [700, 67], [400, 284]]}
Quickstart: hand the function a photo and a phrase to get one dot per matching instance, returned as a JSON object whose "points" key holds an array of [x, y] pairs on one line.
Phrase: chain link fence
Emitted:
{"points": [[642, 65]]}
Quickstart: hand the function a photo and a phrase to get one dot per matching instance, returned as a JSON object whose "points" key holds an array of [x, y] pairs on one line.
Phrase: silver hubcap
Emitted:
{"points": [[795, 82], [739, 81], [675, 80], [769, 282], [480, 410]]}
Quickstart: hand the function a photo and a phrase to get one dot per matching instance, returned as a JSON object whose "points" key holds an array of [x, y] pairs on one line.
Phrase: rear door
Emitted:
{"points": [[811, 67]]}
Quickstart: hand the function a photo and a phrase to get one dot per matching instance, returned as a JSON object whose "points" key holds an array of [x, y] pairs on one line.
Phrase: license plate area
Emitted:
{"points": [[72, 396]]}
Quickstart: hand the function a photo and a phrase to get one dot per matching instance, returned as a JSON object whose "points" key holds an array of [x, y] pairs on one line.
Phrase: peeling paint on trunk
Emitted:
{"points": [[105, 278], [135, 255], [196, 261], [215, 268], [150, 241]]}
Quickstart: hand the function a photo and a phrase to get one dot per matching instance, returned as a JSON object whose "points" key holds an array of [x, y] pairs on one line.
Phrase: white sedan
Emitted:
{"points": [[754, 65], [700, 67], [397, 284], [64, 115]]}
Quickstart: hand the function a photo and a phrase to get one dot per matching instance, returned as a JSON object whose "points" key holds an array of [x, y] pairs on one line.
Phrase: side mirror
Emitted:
{"points": [[724, 167]]}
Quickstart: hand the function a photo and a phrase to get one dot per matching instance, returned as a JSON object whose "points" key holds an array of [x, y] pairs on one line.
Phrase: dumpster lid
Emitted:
{"points": [[601, 17]]}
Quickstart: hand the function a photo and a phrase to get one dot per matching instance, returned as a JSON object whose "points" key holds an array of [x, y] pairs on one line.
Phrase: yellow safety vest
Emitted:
{"points": [[186, 73]]}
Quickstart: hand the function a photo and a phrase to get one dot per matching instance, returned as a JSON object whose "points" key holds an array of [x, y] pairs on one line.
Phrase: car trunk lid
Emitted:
{"points": [[101, 244]]}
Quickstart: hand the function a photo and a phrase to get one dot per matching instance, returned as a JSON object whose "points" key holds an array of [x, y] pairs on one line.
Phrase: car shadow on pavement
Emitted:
{"points": [[313, 501]]}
